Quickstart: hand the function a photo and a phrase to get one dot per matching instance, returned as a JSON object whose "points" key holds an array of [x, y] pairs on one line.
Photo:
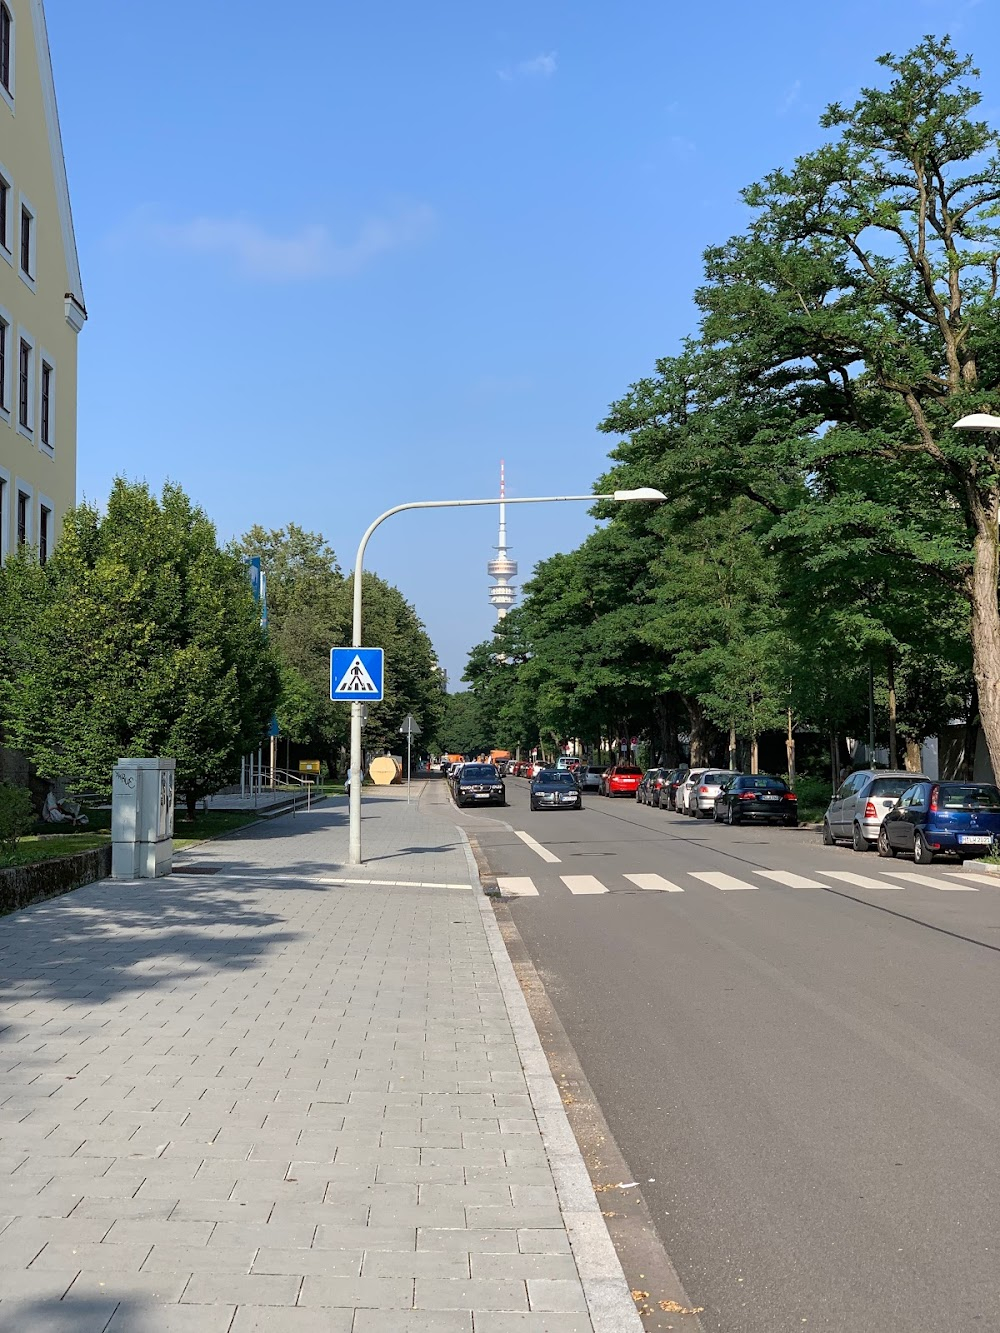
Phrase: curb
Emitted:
{"points": [[609, 1300]]}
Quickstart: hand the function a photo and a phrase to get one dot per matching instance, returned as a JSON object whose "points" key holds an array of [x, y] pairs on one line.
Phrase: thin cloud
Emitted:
{"points": [[538, 67], [790, 98], [310, 252]]}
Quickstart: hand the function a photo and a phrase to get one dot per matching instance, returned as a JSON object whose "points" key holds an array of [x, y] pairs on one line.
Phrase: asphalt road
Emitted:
{"points": [[807, 1067]]}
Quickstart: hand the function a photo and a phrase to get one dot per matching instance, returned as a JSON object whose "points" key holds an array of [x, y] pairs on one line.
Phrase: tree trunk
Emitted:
{"points": [[698, 733], [834, 762], [912, 762], [893, 744], [732, 747], [790, 751], [191, 801], [986, 627], [754, 758], [968, 766]]}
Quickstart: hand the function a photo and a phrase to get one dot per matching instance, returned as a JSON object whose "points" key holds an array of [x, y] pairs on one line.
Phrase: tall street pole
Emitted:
{"points": [[645, 493]]}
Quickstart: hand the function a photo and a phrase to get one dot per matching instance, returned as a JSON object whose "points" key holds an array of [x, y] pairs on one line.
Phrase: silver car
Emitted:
{"points": [[863, 801], [701, 801], [683, 798]]}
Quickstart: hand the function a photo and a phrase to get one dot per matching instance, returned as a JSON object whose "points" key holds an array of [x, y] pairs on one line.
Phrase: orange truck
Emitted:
{"points": [[497, 755]]}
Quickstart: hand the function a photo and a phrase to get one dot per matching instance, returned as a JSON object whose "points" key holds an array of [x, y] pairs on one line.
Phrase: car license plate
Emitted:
{"points": [[977, 839], [770, 798], [482, 796]]}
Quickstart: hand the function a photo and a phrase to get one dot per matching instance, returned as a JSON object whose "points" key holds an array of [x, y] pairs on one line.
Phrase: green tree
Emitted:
{"points": [[142, 639]]}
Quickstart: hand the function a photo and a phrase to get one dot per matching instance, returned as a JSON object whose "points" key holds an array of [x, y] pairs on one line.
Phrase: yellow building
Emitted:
{"points": [[41, 295]]}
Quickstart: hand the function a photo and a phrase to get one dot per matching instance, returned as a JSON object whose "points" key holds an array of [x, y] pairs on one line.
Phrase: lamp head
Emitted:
{"points": [[978, 421], [643, 493]]}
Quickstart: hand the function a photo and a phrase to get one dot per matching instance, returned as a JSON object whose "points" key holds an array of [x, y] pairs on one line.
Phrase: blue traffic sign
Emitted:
{"points": [[356, 674]]}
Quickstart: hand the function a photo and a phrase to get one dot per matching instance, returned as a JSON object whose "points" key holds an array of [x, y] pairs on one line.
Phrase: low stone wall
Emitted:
{"points": [[20, 886]]}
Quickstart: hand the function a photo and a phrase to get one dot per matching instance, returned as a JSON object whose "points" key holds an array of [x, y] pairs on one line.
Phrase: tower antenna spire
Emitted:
{"points": [[502, 569]]}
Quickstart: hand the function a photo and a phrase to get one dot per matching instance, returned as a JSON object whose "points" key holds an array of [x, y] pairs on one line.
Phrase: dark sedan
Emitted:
{"points": [[668, 792], [554, 790], [480, 784], [931, 817], [753, 797]]}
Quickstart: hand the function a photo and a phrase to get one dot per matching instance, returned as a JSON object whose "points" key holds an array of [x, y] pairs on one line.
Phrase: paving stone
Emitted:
{"points": [[316, 1262], [241, 1289], [264, 1319], [414, 1321], [467, 1242], [492, 1322], [524, 1266], [381, 1294], [171, 1318], [450, 1294]]}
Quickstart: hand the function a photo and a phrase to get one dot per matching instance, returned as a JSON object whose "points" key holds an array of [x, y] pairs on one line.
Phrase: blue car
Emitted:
{"points": [[961, 818]]}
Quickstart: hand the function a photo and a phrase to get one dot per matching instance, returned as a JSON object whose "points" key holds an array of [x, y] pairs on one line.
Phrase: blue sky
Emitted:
{"points": [[337, 257]]}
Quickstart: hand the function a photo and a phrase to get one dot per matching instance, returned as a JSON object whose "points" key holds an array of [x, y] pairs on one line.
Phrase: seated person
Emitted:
{"points": [[62, 812]]}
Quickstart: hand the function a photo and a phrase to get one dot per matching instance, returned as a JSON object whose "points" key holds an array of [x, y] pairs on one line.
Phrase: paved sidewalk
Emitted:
{"points": [[279, 1095]]}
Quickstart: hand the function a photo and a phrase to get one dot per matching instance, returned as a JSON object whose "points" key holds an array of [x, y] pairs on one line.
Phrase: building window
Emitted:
{"points": [[3, 517], [24, 385], [4, 340], [44, 528], [22, 517], [4, 213], [45, 419], [27, 242], [6, 47]]}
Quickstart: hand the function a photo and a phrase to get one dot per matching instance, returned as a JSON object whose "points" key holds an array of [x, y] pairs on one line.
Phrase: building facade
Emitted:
{"points": [[41, 294]]}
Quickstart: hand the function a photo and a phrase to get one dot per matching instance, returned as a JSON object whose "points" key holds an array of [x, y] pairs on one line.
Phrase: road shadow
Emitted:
{"points": [[81, 1314]]}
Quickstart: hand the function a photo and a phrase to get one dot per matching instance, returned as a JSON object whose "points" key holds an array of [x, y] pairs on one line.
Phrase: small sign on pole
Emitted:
{"points": [[410, 728]]}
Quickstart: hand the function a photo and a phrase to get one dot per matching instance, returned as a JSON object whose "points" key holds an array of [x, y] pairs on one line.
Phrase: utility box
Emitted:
{"points": [[142, 818]]}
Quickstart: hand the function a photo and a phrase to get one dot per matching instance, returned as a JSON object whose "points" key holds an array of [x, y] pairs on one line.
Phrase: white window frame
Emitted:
{"points": [[24, 205], [6, 390], [6, 96], [6, 491], [45, 360], [23, 336], [43, 502], [22, 487], [7, 251]]}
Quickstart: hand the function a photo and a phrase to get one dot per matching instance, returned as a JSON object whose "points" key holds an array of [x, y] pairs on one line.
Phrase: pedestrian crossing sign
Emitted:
{"points": [[356, 674]]}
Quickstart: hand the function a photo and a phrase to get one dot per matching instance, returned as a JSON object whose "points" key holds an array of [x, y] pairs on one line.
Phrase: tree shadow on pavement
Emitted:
{"points": [[82, 1314]]}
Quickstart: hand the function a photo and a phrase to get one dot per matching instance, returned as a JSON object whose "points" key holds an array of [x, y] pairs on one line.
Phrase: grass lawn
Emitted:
{"points": [[814, 797], [46, 846]]}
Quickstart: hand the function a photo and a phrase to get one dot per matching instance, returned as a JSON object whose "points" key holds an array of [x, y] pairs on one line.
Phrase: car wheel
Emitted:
{"points": [[731, 816], [922, 853], [715, 815], [532, 805], [885, 847], [858, 840], [828, 839]]}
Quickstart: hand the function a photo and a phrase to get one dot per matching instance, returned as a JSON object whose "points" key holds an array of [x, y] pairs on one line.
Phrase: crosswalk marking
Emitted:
{"points": [[789, 880], [720, 881], [518, 886], [949, 886], [860, 881], [654, 882], [583, 884], [977, 876], [537, 847]]}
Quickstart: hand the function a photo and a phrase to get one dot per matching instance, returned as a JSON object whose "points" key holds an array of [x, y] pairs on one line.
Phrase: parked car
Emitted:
{"points": [[961, 818], [555, 789], [668, 792], [568, 763], [683, 796], [648, 786], [862, 802], [756, 797], [590, 777], [701, 798], [621, 780]]}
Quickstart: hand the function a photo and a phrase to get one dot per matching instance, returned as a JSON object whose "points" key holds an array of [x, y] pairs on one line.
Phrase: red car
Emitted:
{"points": [[621, 780]]}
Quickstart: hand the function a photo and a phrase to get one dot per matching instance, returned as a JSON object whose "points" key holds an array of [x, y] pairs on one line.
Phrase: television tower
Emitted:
{"points": [[503, 569]]}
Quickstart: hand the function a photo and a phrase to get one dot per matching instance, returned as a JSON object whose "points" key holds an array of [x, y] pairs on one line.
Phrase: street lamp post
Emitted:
{"points": [[646, 493]]}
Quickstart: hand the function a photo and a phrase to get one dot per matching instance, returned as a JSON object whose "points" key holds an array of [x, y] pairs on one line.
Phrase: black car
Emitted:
{"points": [[555, 790], [648, 790], [754, 797], [479, 784], [668, 792]]}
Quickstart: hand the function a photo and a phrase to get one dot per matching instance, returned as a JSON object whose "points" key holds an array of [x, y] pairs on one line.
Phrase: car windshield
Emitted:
{"points": [[717, 779], [559, 779], [480, 773], [968, 796], [889, 786], [629, 772], [599, 772], [762, 784]]}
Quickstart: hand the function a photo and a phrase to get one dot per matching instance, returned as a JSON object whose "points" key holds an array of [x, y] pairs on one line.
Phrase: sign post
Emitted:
{"points": [[357, 677], [410, 728]]}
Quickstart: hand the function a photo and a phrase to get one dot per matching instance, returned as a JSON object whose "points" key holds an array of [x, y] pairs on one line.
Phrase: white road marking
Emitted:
{"points": [[537, 847], [789, 880], [655, 882], [980, 877], [860, 881], [517, 886], [949, 886], [583, 884], [720, 881]]}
